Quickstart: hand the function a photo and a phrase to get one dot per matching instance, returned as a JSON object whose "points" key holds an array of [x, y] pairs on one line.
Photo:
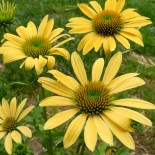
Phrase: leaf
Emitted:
{"points": [[122, 151]]}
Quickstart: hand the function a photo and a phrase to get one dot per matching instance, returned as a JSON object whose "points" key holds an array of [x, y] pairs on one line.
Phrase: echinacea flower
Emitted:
{"points": [[107, 26], [36, 46], [92, 103], [10, 125], [7, 10]]}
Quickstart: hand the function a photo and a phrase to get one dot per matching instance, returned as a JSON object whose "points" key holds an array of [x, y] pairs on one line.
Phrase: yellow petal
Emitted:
{"points": [[74, 130], [127, 84], [84, 40], [96, 6], [79, 19], [112, 68], [106, 46], [16, 136], [42, 61], [60, 51], [25, 112], [103, 130], [50, 62], [119, 6], [14, 39], [98, 42], [29, 63], [132, 31], [32, 29], [81, 29], [37, 67], [58, 37], [59, 118], [13, 105], [121, 78], [135, 103], [5, 107], [97, 69], [20, 107], [25, 131], [122, 121], [2, 114], [87, 10], [78, 68], [127, 12], [48, 28], [55, 33], [66, 80], [8, 143], [121, 134], [110, 5], [132, 115], [57, 101], [2, 134], [133, 38], [55, 87], [42, 26], [22, 32], [112, 43], [90, 133], [123, 41]]}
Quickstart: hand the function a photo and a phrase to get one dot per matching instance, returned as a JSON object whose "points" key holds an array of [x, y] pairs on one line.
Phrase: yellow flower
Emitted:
{"points": [[92, 103], [10, 126], [6, 13], [37, 46], [108, 25]]}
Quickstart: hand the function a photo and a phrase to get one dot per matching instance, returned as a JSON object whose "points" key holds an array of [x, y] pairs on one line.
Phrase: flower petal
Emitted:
{"points": [[87, 10], [2, 134], [42, 26], [55, 87], [78, 68], [57, 101], [74, 130], [42, 61], [38, 69], [50, 62], [29, 63], [112, 43], [5, 107], [25, 112], [132, 115], [110, 5], [90, 133], [96, 6], [8, 143], [59, 118], [97, 69], [135, 103], [25, 131], [32, 29], [16, 136], [121, 134], [55, 33], [119, 6], [103, 130], [13, 106], [106, 46], [22, 32], [112, 68]]}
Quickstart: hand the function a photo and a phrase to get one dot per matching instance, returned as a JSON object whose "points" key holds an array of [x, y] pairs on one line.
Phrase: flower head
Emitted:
{"points": [[106, 26], [36, 46], [10, 126], [6, 13], [92, 103]]}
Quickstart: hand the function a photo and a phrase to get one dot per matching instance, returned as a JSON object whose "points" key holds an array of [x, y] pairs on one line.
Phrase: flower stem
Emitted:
{"points": [[83, 148]]}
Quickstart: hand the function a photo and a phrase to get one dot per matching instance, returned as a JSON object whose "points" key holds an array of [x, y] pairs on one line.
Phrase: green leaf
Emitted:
{"points": [[122, 151]]}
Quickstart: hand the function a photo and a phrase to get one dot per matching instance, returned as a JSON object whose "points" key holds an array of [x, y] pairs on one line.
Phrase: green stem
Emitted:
{"points": [[45, 118], [83, 148]]}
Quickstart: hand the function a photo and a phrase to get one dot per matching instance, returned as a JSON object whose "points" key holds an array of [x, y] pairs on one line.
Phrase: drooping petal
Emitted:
{"points": [[50, 62], [5, 107], [135, 103], [13, 106], [55, 87], [42, 61], [57, 101], [74, 130], [29, 63], [16, 136], [103, 130], [25, 131], [37, 67], [90, 133], [24, 113], [8, 143], [112, 43], [59, 118], [112, 68], [2, 134], [121, 134], [60, 51], [97, 69], [127, 84], [66, 80], [20, 107], [98, 42], [106, 46], [78, 68], [132, 115], [87, 10]]}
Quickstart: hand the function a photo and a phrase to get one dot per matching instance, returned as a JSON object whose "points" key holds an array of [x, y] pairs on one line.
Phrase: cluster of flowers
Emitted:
{"points": [[91, 103]]}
